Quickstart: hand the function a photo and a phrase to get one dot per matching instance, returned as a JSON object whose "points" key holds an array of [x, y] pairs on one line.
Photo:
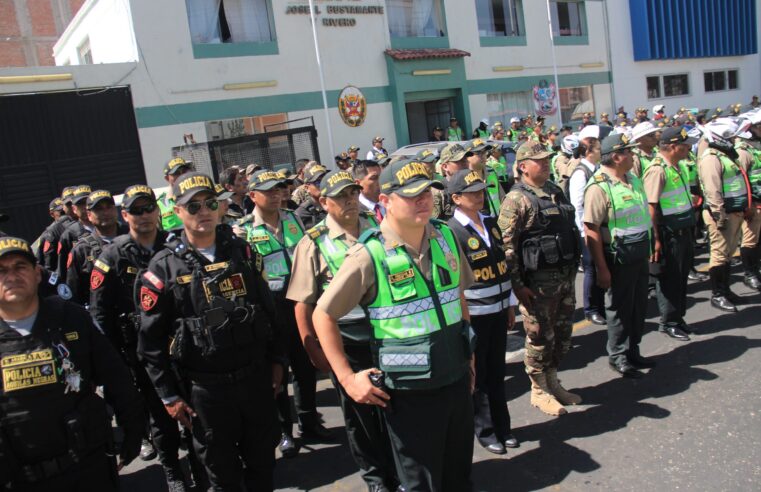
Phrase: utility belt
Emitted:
{"points": [[213, 378], [547, 251], [81, 433], [225, 325]]}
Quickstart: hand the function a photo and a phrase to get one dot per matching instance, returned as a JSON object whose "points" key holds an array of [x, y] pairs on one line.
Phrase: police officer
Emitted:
{"points": [[749, 158], [453, 158], [47, 254], [316, 261], [112, 305], [75, 230], [366, 175], [541, 249], [54, 429], [493, 193], [300, 194], [618, 235], [409, 277], [173, 169], [353, 155], [274, 233], [454, 132], [376, 150], [726, 202], [207, 341], [644, 134], [101, 212], [491, 312], [310, 212], [670, 205]]}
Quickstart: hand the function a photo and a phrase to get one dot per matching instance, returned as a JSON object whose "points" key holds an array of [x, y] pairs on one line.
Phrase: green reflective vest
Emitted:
{"points": [[553, 170], [514, 134], [277, 256], [499, 167], [483, 134], [169, 220], [754, 173], [628, 218], [492, 192], [419, 337], [733, 186], [675, 200], [454, 134], [644, 161]]}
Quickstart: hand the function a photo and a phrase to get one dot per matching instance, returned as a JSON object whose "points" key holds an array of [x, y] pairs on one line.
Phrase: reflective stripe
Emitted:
{"points": [[355, 314], [413, 307], [669, 194], [477, 310], [404, 360], [678, 209], [488, 291], [632, 230]]}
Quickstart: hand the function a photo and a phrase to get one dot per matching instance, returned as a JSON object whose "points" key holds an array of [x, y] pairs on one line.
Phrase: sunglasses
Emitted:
{"points": [[195, 207], [145, 209]]}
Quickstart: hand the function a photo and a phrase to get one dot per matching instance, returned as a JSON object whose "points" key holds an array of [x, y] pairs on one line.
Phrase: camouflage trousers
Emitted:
{"points": [[549, 321]]}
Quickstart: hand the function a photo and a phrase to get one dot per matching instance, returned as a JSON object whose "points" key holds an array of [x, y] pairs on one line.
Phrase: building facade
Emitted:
{"points": [[219, 68], [697, 54]]}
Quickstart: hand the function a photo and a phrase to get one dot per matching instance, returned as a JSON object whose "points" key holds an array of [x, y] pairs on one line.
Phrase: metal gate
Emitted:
{"points": [[57, 139], [273, 150]]}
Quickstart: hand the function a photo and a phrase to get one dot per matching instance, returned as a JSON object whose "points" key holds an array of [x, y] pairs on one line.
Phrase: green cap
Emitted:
{"points": [[532, 150], [452, 153], [16, 245], [407, 178], [264, 180], [314, 173], [335, 182], [477, 145], [427, 156], [465, 181], [615, 142]]}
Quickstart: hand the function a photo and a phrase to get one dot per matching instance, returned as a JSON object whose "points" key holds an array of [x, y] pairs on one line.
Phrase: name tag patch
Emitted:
{"points": [[229, 287], [24, 371], [398, 277], [184, 279], [132, 270], [259, 239], [216, 266], [477, 256], [71, 336]]}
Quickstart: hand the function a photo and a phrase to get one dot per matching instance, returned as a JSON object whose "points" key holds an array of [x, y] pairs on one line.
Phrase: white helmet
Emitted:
{"points": [[569, 144]]}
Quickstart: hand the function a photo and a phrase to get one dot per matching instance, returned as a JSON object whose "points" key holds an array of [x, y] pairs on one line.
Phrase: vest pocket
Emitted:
{"points": [[405, 359]]}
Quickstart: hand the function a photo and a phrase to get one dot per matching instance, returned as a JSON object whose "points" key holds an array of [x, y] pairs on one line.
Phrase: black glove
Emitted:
{"points": [[133, 437]]}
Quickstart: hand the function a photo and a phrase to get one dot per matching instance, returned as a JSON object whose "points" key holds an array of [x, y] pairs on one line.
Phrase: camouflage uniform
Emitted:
{"points": [[300, 194], [548, 323], [443, 207]]}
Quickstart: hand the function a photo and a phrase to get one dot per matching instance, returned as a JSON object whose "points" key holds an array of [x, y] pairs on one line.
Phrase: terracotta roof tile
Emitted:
{"points": [[417, 54]]}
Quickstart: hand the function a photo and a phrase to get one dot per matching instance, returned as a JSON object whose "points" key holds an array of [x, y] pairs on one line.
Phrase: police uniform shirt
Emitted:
{"points": [[655, 179], [79, 267], [711, 173], [310, 212], [310, 270], [354, 284], [597, 204], [256, 220]]}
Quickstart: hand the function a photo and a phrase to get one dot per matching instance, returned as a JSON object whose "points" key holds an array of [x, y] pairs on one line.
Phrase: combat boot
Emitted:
{"points": [[750, 268], [564, 396], [542, 398], [174, 478], [718, 300]]}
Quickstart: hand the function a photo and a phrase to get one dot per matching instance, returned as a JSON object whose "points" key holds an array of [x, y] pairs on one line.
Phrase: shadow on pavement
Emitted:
{"points": [[618, 401]]}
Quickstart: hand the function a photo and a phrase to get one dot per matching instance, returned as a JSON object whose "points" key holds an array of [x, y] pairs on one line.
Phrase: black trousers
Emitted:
{"points": [[594, 297], [671, 290], [235, 432], [304, 374], [626, 306], [94, 472], [491, 417], [164, 429], [432, 437], [365, 429]]}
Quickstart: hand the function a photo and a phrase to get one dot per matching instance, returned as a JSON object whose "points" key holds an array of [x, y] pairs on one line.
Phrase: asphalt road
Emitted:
{"points": [[693, 423]]}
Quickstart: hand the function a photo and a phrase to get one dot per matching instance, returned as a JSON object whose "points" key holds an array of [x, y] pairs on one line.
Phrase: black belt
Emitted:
{"points": [[222, 377]]}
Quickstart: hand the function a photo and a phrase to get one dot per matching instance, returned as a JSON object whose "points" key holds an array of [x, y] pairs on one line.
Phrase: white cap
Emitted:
{"points": [[723, 128], [485, 121], [642, 129], [569, 144], [658, 108], [595, 131], [515, 119]]}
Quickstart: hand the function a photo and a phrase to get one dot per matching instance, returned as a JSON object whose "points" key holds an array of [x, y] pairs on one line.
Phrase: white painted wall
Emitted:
{"points": [[629, 77], [108, 24]]}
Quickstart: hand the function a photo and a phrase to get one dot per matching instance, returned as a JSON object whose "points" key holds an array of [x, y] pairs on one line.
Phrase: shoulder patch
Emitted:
{"points": [[600, 178], [317, 231], [96, 279], [148, 299], [184, 279], [153, 279]]}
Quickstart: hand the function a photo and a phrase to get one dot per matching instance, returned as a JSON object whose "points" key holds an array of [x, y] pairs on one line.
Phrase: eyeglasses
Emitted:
{"points": [[145, 209], [195, 207]]}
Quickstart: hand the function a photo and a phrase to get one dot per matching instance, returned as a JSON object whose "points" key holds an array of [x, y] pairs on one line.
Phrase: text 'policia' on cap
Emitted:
{"points": [[14, 245]]}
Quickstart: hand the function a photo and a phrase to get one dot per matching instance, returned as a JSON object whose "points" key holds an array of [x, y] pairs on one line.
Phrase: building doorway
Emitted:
{"points": [[424, 116]]}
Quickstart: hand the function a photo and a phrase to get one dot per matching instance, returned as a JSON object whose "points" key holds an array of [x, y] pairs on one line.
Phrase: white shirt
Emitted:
{"points": [[24, 325], [576, 189], [370, 205], [465, 221]]}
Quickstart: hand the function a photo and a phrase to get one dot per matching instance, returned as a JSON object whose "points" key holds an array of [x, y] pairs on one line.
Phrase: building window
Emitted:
{"points": [[505, 105], [415, 18], [230, 21], [567, 18], [575, 101], [720, 80], [498, 18], [668, 85], [85, 52]]}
